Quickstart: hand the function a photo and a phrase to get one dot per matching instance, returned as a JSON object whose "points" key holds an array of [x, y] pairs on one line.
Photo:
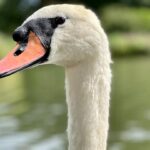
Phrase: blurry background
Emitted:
{"points": [[32, 102]]}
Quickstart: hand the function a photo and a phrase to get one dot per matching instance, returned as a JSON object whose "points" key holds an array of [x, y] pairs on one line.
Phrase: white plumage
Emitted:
{"points": [[81, 47]]}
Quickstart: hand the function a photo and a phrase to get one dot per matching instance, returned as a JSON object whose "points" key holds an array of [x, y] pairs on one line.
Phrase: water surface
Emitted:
{"points": [[33, 109]]}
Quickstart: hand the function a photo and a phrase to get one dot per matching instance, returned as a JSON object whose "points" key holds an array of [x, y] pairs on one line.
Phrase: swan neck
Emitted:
{"points": [[87, 92]]}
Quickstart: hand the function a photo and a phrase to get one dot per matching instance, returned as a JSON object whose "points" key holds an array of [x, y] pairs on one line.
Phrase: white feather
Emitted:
{"points": [[80, 45]]}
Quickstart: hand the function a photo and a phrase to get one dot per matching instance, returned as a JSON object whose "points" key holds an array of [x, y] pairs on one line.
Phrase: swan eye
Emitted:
{"points": [[59, 20]]}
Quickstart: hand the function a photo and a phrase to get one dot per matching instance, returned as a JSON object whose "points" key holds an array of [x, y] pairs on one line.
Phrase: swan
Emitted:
{"points": [[70, 36]]}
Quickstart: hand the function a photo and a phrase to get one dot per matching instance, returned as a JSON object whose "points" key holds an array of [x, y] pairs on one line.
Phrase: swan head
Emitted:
{"points": [[63, 34]]}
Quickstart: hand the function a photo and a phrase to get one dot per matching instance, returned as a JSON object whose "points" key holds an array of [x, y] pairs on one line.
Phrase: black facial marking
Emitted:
{"points": [[43, 28], [20, 34]]}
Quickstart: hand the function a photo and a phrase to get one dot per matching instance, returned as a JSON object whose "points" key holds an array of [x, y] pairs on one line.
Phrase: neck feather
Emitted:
{"points": [[87, 92]]}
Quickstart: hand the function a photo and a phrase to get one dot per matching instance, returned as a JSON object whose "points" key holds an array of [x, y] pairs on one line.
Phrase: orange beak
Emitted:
{"points": [[32, 54]]}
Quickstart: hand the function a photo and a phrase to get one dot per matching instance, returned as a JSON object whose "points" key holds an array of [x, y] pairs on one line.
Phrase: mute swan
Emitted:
{"points": [[70, 36]]}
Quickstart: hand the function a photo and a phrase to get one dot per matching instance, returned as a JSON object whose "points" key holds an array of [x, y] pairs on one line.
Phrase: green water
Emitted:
{"points": [[33, 110]]}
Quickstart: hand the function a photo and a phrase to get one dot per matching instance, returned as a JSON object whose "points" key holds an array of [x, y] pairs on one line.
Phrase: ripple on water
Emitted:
{"points": [[135, 134]]}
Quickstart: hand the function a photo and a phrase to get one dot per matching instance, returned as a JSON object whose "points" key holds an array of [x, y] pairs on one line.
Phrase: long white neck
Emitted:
{"points": [[87, 92]]}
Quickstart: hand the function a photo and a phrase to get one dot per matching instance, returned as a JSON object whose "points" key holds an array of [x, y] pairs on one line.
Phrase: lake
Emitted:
{"points": [[33, 109]]}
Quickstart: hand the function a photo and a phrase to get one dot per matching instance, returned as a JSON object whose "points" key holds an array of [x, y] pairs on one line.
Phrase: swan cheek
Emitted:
{"points": [[59, 54]]}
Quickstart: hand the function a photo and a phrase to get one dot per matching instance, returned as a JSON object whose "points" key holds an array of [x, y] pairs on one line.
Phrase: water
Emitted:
{"points": [[130, 113], [33, 109]]}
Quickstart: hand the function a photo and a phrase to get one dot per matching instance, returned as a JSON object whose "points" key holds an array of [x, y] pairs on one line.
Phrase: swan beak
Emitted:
{"points": [[18, 59]]}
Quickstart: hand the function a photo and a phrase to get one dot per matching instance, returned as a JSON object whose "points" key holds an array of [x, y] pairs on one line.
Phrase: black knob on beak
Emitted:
{"points": [[20, 34]]}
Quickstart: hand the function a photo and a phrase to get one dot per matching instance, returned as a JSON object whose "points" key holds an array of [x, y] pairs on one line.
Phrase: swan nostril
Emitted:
{"points": [[19, 51]]}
